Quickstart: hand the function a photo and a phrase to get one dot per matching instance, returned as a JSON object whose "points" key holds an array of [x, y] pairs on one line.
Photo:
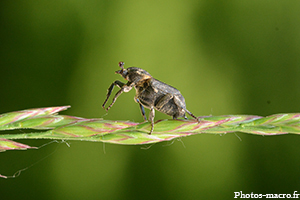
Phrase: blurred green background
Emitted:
{"points": [[226, 57]]}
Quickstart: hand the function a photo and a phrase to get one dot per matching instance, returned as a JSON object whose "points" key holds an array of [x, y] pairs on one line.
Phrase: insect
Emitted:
{"points": [[150, 93]]}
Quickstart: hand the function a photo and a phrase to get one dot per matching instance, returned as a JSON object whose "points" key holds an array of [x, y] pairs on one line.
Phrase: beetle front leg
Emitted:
{"points": [[125, 88], [151, 118], [109, 90]]}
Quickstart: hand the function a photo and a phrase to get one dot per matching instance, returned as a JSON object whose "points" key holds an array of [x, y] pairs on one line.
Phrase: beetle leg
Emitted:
{"points": [[181, 105], [109, 90], [125, 88], [183, 117], [141, 108], [151, 118]]}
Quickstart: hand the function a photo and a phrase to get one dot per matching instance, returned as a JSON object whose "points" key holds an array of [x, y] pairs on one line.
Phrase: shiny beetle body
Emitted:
{"points": [[150, 93]]}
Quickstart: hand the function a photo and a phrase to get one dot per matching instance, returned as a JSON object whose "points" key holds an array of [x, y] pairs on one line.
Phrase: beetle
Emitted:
{"points": [[150, 93]]}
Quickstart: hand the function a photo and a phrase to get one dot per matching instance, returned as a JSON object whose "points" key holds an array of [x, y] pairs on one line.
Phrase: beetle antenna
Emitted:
{"points": [[121, 64]]}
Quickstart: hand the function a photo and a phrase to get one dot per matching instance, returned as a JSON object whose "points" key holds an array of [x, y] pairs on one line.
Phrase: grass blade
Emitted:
{"points": [[62, 127]]}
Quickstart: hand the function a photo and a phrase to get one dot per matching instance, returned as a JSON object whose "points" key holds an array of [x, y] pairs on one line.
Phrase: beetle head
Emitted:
{"points": [[133, 74], [123, 72]]}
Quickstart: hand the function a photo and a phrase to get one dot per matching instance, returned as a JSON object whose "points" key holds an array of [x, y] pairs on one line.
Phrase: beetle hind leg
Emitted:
{"points": [[182, 106], [183, 117]]}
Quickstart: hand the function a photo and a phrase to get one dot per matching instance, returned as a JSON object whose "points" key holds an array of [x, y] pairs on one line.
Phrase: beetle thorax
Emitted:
{"points": [[136, 75]]}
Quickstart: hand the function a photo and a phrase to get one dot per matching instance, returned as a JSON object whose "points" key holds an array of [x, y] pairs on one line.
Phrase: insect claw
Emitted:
{"points": [[150, 131]]}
